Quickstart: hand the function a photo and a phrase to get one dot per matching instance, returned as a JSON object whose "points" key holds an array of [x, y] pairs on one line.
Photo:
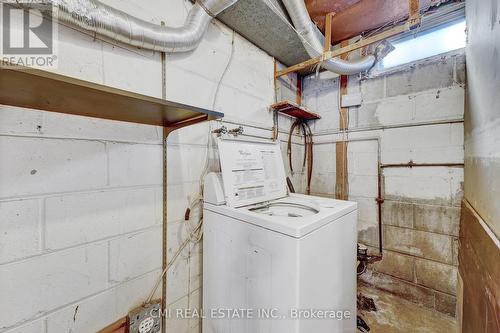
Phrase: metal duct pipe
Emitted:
{"points": [[313, 41], [103, 20]]}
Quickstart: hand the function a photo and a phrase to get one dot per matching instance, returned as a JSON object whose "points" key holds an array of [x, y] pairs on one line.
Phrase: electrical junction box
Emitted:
{"points": [[351, 100], [145, 319]]}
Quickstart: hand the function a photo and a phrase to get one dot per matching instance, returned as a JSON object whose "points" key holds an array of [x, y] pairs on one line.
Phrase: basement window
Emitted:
{"points": [[444, 38]]}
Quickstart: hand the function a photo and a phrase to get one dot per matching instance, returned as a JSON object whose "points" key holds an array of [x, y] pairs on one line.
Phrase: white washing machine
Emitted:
{"points": [[274, 262]]}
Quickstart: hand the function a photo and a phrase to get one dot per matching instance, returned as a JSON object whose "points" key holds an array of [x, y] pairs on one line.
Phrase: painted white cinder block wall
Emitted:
{"points": [[416, 111], [81, 198]]}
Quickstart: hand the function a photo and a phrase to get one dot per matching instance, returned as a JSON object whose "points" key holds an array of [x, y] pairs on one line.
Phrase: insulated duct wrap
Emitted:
{"points": [[103, 20], [313, 41]]}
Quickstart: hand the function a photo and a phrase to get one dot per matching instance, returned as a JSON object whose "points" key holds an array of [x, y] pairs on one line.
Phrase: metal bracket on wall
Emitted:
{"points": [[42, 90]]}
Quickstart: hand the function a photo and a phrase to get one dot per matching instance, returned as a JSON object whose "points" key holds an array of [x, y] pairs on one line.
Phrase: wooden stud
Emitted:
{"points": [[413, 13], [298, 94], [341, 191], [328, 31], [344, 50]]}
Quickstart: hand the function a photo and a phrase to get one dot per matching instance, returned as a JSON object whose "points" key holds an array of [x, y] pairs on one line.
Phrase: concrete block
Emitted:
{"points": [[404, 289], [373, 89], [19, 229], [424, 144], [370, 146], [446, 304], [329, 121], [88, 315], [440, 104], [398, 265], [186, 82], [19, 121], [324, 158], [178, 198], [250, 80], [398, 214], [439, 219], [211, 57], [363, 186], [367, 208], [153, 12], [132, 70], [96, 312], [176, 323], [82, 218], [368, 233], [178, 279], [323, 183], [418, 243], [195, 302], [391, 111], [186, 163], [436, 276], [70, 126], [37, 326], [363, 164], [195, 270], [455, 250], [312, 82], [38, 166], [419, 77], [134, 255], [239, 106], [32, 287], [431, 185], [195, 134], [82, 60], [460, 69], [135, 164], [133, 293]]}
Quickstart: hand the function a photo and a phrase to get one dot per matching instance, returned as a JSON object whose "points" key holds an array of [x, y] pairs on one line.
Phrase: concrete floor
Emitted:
{"points": [[396, 315]]}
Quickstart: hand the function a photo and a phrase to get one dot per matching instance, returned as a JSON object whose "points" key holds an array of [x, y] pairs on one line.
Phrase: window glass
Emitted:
{"points": [[439, 40]]}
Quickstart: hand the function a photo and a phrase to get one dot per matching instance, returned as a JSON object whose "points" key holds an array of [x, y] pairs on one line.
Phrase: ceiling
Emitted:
{"points": [[263, 21], [353, 17]]}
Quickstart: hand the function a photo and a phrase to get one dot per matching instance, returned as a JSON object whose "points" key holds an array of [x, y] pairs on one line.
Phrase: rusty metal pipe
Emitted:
{"points": [[412, 164]]}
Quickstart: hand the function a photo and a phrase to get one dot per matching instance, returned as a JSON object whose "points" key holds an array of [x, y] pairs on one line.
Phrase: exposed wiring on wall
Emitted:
{"points": [[224, 72], [195, 233], [308, 153]]}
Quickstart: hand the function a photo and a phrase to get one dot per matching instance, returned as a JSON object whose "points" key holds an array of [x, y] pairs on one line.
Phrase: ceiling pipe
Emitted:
{"points": [[313, 41], [103, 20]]}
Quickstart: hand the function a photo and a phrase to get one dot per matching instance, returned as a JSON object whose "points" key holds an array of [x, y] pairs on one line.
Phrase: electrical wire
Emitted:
{"points": [[224, 72], [170, 263], [195, 234]]}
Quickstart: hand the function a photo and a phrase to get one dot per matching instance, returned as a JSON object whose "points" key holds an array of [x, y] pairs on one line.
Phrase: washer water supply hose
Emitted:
{"points": [[308, 150]]}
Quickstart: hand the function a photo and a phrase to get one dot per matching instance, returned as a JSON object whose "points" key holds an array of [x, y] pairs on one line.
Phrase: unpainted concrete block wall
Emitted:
{"points": [[81, 198], [416, 113]]}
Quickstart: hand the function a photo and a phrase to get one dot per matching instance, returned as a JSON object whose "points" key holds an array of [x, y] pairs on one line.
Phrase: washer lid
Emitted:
{"points": [[252, 171], [286, 208]]}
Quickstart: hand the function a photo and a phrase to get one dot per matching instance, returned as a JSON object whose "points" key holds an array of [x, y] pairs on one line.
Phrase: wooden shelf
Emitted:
{"points": [[293, 110], [42, 90]]}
